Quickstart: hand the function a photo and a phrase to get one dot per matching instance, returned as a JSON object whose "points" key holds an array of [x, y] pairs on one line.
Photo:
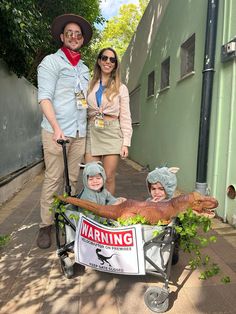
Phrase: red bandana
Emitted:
{"points": [[72, 56]]}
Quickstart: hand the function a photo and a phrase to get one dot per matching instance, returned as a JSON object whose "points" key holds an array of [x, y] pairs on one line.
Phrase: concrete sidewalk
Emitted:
{"points": [[31, 280]]}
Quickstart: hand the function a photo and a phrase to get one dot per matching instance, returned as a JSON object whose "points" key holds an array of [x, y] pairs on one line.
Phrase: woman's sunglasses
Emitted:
{"points": [[105, 58]]}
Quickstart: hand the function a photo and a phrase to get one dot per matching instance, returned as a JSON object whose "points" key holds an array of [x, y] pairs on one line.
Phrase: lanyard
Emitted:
{"points": [[78, 85]]}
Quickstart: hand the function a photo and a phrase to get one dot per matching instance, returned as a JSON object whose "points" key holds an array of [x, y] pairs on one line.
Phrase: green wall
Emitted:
{"points": [[222, 150], [169, 123], [168, 130]]}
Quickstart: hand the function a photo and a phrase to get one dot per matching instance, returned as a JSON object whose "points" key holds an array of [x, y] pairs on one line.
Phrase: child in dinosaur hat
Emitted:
{"points": [[161, 183], [94, 180]]}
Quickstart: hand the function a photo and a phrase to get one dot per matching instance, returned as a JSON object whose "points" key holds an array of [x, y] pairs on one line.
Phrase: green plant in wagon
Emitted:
{"points": [[59, 207], [192, 230]]}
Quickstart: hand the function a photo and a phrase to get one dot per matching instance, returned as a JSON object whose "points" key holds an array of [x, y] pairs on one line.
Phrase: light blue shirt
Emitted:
{"points": [[99, 93], [57, 81]]}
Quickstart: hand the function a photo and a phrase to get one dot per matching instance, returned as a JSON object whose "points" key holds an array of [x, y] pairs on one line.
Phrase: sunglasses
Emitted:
{"points": [[105, 58], [69, 34]]}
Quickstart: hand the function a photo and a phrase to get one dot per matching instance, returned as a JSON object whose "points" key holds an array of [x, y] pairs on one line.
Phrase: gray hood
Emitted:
{"points": [[92, 169]]}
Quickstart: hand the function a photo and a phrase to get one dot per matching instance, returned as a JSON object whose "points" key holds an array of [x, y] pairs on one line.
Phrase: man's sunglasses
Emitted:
{"points": [[69, 34], [105, 58]]}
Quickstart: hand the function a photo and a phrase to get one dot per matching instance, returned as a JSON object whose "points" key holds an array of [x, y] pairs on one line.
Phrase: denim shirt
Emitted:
{"points": [[57, 81]]}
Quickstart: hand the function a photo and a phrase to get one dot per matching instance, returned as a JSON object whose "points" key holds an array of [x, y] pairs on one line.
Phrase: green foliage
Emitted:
{"points": [[192, 230], [225, 279], [132, 221], [4, 239], [21, 34], [25, 30], [119, 30], [59, 207], [210, 272]]}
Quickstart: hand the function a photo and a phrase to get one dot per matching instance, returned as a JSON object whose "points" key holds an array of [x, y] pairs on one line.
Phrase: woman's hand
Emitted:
{"points": [[124, 152]]}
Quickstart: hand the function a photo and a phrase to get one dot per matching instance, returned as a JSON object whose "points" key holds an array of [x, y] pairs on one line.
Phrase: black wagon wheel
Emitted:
{"points": [[156, 299], [67, 266]]}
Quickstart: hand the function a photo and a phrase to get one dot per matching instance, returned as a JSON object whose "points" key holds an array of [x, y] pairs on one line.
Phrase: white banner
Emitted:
{"points": [[113, 250]]}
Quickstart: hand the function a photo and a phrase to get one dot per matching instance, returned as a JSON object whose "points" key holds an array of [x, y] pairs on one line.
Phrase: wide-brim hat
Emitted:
{"points": [[61, 21]]}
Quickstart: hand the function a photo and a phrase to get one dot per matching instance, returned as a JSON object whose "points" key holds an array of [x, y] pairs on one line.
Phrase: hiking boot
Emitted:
{"points": [[44, 237]]}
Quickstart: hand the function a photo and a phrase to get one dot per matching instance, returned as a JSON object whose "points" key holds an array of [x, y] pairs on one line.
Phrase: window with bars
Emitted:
{"points": [[165, 73], [187, 56], [151, 83], [135, 106]]}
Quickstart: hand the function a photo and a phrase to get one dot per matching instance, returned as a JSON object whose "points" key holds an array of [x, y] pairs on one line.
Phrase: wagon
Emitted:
{"points": [[127, 250]]}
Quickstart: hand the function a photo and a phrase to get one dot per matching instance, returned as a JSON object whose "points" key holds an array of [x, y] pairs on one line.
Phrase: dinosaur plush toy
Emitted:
{"points": [[151, 211]]}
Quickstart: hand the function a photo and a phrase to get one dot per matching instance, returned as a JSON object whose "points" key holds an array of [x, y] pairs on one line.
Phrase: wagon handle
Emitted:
{"points": [[67, 186]]}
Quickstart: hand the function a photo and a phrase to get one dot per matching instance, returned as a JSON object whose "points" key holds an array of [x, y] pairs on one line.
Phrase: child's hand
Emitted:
{"points": [[120, 200], [155, 199]]}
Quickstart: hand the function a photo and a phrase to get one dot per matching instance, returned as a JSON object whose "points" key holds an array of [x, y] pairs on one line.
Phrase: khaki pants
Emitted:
{"points": [[54, 171]]}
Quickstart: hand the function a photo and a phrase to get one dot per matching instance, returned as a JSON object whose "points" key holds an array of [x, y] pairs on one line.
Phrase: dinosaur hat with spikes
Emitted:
{"points": [[166, 176]]}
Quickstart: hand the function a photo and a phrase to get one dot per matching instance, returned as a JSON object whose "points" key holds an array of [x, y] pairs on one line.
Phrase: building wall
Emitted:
{"points": [[167, 124], [222, 150], [169, 121], [20, 119]]}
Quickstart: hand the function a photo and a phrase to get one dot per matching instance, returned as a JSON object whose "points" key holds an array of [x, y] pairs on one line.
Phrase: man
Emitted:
{"points": [[62, 87]]}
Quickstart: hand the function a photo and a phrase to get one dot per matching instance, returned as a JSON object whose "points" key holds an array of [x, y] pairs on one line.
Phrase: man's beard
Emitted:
{"points": [[73, 49]]}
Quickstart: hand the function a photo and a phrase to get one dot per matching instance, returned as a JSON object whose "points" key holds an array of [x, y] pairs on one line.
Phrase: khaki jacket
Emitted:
{"points": [[118, 107]]}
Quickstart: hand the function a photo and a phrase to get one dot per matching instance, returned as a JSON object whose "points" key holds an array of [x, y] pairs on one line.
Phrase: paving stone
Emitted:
{"points": [[104, 303], [61, 304], [94, 282], [214, 299]]}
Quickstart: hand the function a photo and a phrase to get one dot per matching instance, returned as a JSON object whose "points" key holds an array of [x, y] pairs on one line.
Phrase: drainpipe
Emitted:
{"points": [[206, 100]]}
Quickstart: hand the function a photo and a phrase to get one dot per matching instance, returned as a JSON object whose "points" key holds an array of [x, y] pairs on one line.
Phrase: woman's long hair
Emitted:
{"points": [[114, 82]]}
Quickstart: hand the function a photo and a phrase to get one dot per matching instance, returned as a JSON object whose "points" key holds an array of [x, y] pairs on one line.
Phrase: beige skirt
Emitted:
{"points": [[106, 141]]}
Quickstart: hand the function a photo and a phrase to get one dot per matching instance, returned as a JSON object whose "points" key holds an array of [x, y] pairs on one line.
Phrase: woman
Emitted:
{"points": [[109, 121]]}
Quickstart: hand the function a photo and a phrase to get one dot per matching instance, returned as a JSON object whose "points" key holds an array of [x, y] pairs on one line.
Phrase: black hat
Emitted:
{"points": [[61, 21]]}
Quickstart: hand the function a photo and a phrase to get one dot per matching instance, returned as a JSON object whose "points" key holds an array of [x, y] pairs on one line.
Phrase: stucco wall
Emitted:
{"points": [[169, 125], [222, 149], [20, 118], [169, 121], [140, 46]]}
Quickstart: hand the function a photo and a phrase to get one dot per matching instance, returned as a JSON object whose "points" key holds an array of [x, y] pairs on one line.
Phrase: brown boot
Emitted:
{"points": [[44, 237]]}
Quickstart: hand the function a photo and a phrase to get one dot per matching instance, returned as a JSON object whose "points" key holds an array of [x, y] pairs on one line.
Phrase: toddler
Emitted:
{"points": [[94, 179], [162, 183]]}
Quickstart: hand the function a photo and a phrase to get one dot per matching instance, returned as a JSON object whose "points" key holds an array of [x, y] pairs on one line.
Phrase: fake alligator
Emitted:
{"points": [[151, 211]]}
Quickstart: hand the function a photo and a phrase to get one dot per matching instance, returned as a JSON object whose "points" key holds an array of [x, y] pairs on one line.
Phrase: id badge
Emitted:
{"points": [[81, 102], [99, 122]]}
